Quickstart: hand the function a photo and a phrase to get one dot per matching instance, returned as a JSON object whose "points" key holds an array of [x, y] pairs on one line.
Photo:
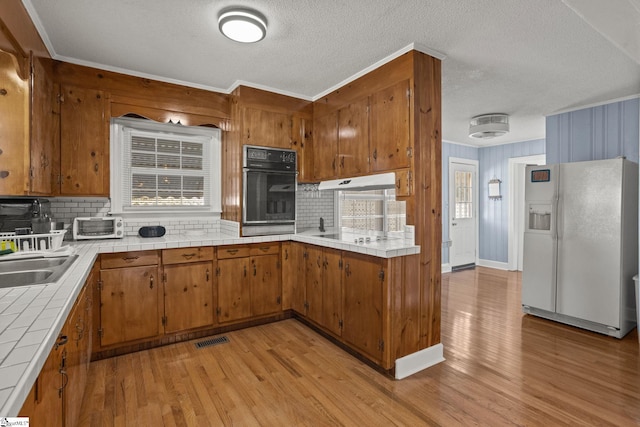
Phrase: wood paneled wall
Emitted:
{"points": [[416, 324], [298, 111]]}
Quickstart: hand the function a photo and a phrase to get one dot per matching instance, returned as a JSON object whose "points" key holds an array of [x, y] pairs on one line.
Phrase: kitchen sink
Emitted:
{"points": [[33, 271]]}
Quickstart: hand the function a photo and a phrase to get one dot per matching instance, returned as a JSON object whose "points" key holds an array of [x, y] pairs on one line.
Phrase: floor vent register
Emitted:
{"points": [[212, 341]]}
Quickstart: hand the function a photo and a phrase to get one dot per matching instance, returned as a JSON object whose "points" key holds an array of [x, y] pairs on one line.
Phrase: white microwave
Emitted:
{"points": [[89, 228]]}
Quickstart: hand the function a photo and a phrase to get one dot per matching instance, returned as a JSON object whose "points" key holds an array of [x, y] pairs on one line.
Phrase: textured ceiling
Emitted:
{"points": [[520, 57]]}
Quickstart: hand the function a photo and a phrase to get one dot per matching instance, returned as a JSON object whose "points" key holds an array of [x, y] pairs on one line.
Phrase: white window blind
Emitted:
{"points": [[163, 167]]}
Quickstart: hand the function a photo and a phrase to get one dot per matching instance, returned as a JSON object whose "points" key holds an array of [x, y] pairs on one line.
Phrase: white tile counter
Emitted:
{"points": [[31, 317]]}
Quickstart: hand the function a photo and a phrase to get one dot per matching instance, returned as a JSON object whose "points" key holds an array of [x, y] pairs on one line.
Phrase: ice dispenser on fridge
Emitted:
{"points": [[540, 217]]}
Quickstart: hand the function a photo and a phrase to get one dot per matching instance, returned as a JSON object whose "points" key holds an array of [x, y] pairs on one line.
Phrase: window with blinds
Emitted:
{"points": [[165, 167]]}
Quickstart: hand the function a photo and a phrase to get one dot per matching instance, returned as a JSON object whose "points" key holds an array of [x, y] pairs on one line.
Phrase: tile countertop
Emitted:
{"points": [[31, 317]]}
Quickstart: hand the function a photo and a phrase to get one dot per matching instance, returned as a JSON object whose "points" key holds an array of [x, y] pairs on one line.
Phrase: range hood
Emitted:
{"points": [[380, 181]]}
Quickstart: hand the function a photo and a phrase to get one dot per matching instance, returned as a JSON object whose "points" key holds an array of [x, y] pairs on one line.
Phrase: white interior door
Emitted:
{"points": [[517, 166], [463, 212]]}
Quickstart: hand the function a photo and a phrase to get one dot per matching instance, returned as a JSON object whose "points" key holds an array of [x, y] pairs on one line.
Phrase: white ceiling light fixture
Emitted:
{"points": [[487, 126], [242, 25]]}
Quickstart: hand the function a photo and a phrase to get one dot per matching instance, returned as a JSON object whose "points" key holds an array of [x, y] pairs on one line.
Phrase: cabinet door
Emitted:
{"points": [[362, 287], [129, 304], [44, 403], [313, 275], [266, 289], [266, 128], [325, 146], [353, 139], [14, 131], [76, 373], [296, 275], [332, 290], [390, 128], [188, 296], [45, 129], [234, 294], [84, 149]]}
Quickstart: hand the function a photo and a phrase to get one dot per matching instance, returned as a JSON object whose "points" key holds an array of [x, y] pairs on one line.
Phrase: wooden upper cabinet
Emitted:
{"points": [[45, 131], [84, 144], [14, 128], [266, 128], [302, 142], [390, 145], [325, 146], [353, 139]]}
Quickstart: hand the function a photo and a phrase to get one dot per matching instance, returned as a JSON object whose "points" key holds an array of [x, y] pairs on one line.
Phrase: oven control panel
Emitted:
{"points": [[265, 158]]}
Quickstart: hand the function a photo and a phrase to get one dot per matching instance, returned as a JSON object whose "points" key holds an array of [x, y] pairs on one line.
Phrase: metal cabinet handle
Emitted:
{"points": [[347, 270], [130, 258], [318, 262], [151, 282], [207, 274], [232, 251], [188, 256], [245, 271], [286, 254], [65, 380], [255, 271], [62, 340]]}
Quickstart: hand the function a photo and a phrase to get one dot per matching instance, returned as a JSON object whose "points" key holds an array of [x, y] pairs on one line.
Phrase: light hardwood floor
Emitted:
{"points": [[501, 368]]}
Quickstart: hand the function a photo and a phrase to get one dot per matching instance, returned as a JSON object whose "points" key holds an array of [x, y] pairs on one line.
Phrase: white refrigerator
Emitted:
{"points": [[581, 244]]}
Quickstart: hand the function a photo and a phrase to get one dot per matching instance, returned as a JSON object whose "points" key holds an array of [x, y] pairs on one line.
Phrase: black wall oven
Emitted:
{"points": [[269, 191]]}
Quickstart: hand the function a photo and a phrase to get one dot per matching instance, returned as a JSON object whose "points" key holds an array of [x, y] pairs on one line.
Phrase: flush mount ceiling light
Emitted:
{"points": [[242, 25], [488, 126]]}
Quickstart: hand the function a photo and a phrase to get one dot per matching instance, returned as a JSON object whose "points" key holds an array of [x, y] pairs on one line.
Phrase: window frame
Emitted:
{"points": [[121, 127]]}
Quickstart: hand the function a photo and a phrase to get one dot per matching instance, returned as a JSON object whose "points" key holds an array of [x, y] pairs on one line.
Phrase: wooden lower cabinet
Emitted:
{"points": [[363, 286], [78, 356], [313, 281], [56, 396], [130, 297], [332, 317], [188, 276], [188, 296], [343, 293], [234, 292], [265, 283], [249, 281]]}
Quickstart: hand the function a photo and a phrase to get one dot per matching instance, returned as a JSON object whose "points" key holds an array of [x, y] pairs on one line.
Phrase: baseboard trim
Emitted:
{"points": [[445, 268], [416, 362], [493, 264]]}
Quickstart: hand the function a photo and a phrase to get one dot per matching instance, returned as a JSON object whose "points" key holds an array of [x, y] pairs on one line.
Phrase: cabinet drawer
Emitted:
{"points": [[233, 252], [183, 255], [128, 259], [264, 249]]}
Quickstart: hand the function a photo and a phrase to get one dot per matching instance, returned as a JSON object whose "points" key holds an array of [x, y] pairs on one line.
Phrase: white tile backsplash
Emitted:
{"points": [[67, 208], [313, 205]]}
